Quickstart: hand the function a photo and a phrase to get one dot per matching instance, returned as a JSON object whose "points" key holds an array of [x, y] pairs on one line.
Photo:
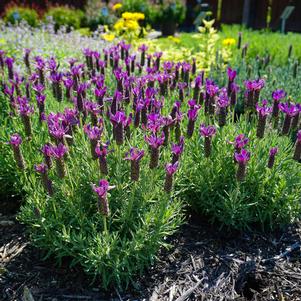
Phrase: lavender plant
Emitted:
{"points": [[75, 121]]}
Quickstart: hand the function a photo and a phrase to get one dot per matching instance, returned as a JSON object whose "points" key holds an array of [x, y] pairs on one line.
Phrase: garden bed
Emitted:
{"points": [[215, 264], [112, 147]]}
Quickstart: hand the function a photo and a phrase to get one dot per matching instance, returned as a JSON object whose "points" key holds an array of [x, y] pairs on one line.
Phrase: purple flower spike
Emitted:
{"points": [[278, 95], [288, 108], [135, 155], [102, 190], [273, 151], [242, 159], [223, 103], [59, 151], [240, 142], [207, 132], [47, 153], [15, 141], [154, 122], [119, 121], [290, 111], [263, 112], [101, 151], [231, 74], [192, 115], [154, 142], [171, 168], [10, 65], [253, 92], [177, 150], [42, 169], [170, 171], [297, 153], [272, 154], [93, 132]]}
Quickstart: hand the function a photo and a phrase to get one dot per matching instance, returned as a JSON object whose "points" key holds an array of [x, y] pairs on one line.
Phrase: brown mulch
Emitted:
{"points": [[205, 264]]}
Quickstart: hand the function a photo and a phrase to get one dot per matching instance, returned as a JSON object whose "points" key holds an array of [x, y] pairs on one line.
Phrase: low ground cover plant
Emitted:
{"points": [[111, 145]]}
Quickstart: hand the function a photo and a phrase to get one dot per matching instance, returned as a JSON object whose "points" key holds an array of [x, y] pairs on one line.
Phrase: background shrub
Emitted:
{"points": [[98, 13], [65, 16], [15, 14], [170, 10]]}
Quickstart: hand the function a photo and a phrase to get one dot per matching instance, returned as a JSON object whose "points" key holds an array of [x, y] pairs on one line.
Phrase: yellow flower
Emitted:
{"points": [[131, 25], [133, 16], [119, 25], [108, 37], [229, 42], [117, 6]]}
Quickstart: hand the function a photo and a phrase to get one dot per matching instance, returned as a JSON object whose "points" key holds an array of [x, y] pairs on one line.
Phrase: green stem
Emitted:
{"points": [[105, 228]]}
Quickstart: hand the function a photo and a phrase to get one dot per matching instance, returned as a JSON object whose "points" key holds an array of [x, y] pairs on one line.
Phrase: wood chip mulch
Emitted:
{"points": [[205, 263]]}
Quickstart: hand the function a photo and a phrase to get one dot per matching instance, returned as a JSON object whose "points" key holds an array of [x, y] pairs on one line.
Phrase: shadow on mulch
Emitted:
{"points": [[203, 264]]}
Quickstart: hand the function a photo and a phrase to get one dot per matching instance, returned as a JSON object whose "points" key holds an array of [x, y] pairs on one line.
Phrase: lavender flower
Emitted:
{"points": [[47, 153], [295, 121], [94, 134], [177, 150], [135, 155], [263, 111], [290, 111], [253, 91], [100, 93], [211, 92], [25, 110], [10, 67], [192, 115], [143, 48], [272, 154], [154, 142], [223, 103], [15, 141], [42, 169], [102, 151], [242, 159], [240, 142], [231, 77], [93, 109], [58, 152], [181, 87], [26, 59], [119, 122], [277, 95], [170, 171], [102, 190], [207, 132], [154, 122]]}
